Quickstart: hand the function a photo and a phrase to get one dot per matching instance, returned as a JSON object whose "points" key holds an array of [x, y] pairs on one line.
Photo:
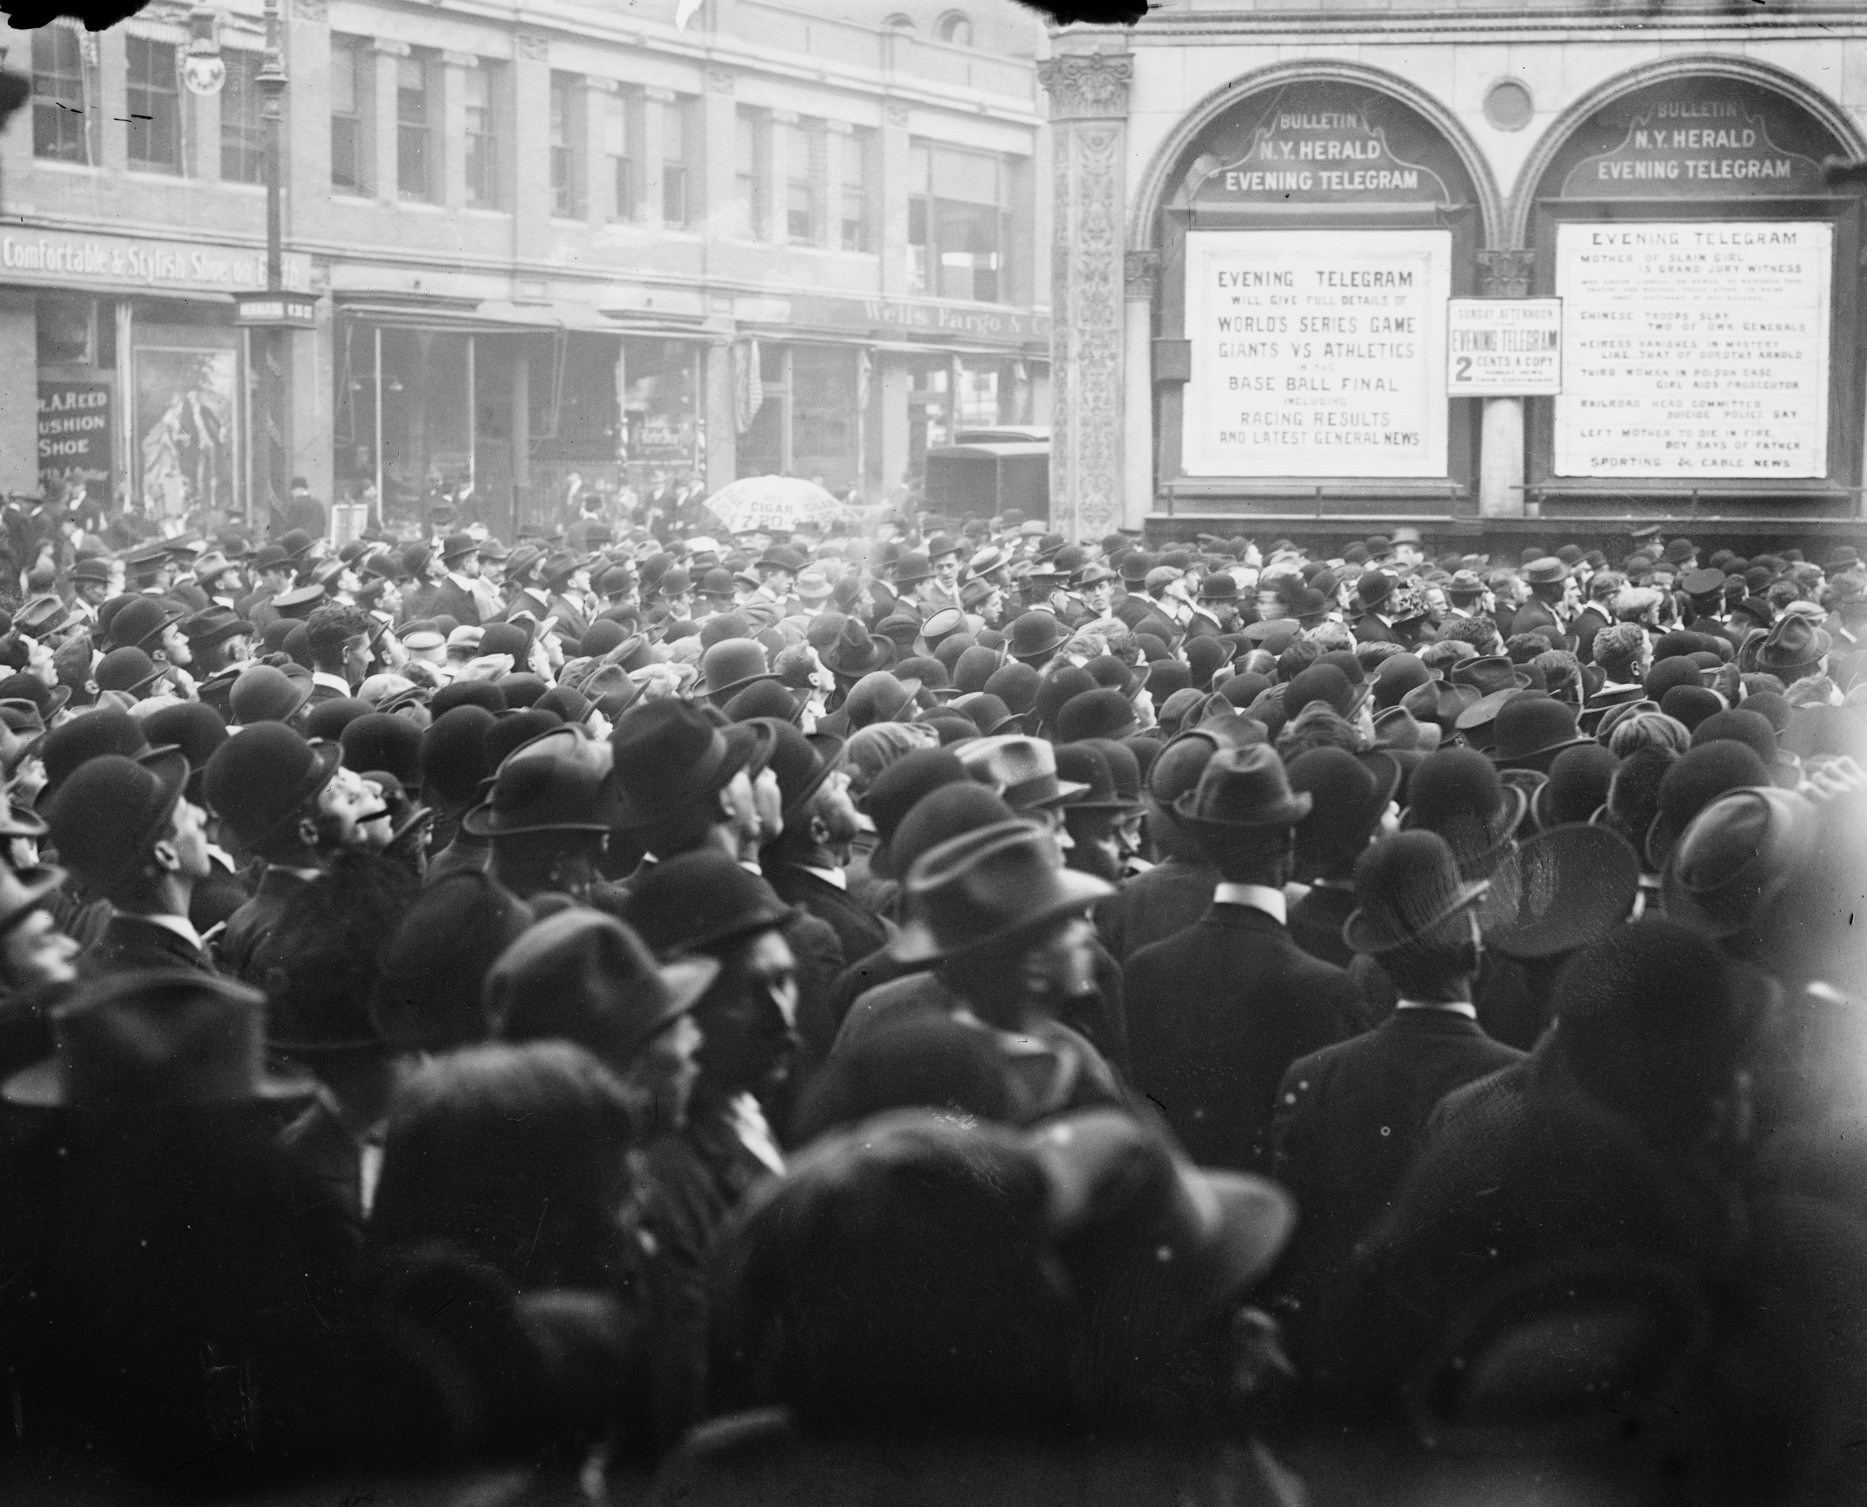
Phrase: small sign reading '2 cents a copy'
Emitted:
{"points": [[1503, 347]]}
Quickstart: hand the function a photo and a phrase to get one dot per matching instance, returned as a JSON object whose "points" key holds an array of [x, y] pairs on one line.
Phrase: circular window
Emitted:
{"points": [[1508, 105]]}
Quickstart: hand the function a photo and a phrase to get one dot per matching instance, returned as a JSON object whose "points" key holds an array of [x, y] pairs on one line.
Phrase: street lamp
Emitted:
{"points": [[274, 342]]}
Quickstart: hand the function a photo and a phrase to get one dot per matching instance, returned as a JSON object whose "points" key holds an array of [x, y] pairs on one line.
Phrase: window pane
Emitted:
{"points": [[566, 161], [349, 146], [242, 130], [482, 152], [58, 123], [968, 176], [920, 170], [748, 182], [674, 131], [414, 148], [343, 79], [616, 111], [154, 107], [855, 207]]}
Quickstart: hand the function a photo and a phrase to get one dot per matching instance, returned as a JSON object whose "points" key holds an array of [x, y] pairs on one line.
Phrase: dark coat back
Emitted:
{"points": [[1316, 924], [451, 601], [1219, 1012], [130, 943], [859, 930], [1156, 905]]}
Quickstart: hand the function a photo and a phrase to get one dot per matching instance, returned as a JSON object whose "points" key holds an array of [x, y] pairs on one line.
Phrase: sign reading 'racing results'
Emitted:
{"points": [[1317, 353], [1694, 349]]}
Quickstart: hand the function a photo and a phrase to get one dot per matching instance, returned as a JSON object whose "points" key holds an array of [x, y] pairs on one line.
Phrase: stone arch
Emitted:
{"points": [[1156, 187], [1701, 65]]}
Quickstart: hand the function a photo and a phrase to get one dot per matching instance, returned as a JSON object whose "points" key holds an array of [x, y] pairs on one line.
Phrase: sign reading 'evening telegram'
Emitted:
{"points": [[1317, 353], [1694, 349]]}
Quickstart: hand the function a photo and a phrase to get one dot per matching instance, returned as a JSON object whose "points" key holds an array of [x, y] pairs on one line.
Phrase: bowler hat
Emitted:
{"points": [[1397, 675], [453, 753], [701, 900], [1691, 704], [1320, 682], [261, 779], [1563, 889], [107, 815], [1022, 769], [155, 1040], [139, 622], [1531, 730], [215, 625], [1578, 785], [1087, 764], [1035, 634], [1406, 886], [911, 568], [730, 666], [458, 547], [1698, 777], [1348, 796], [1456, 792], [382, 740], [93, 570], [899, 788], [429, 995], [584, 977], [1243, 789], [106, 730], [1736, 857], [264, 694], [1374, 587], [668, 755], [974, 667], [980, 888], [799, 767], [1102, 713], [988, 713], [126, 670]]}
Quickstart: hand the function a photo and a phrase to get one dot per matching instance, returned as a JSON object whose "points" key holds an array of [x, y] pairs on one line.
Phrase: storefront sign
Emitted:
{"points": [[1320, 156], [1503, 347], [278, 310], [74, 436], [64, 259], [1694, 349], [907, 319], [1695, 148], [1317, 353]]}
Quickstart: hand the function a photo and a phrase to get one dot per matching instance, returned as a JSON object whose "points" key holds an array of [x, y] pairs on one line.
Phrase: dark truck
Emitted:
{"points": [[989, 470]]}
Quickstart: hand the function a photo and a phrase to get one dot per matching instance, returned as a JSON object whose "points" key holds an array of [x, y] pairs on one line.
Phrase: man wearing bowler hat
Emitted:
{"points": [[128, 830], [456, 597], [1221, 1010], [1350, 1116]]}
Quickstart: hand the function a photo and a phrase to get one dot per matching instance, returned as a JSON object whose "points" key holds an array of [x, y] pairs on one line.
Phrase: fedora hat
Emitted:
{"points": [[1477, 724], [667, 754], [1531, 730], [1794, 645], [552, 793], [1489, 674], [1398, 730], [1563, 889], [1736, 857], [42, 616], [1022, 769], [1441, 702], [155, 1039], [856, 652], [1406, 885], [983, 886], [1243, 789]]}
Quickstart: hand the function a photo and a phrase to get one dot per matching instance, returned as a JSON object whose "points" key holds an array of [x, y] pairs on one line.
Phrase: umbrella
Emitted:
{"points": [[776, 503]]}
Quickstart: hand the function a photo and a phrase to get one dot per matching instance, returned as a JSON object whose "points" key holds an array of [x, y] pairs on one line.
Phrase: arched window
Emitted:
{"points": [[955, 27], [898, 22]]}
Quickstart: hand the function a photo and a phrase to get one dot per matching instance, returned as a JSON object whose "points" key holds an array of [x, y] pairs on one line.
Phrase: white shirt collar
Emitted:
{"points": [[335, 682], [1456, 1006], [1257, 896], [180, 925], [465, 583], [834, 877], [754, 1132]]}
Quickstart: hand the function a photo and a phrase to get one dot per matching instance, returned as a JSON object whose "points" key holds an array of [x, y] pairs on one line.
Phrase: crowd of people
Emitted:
{"points": [[940, 1011]]}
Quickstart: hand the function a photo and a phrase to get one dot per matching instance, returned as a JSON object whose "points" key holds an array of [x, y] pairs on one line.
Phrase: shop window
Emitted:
{"points": [[350, 145], [955, 27], [416, 164], [855, 232], [957, 223], [60, 127], [675, 114], [621, 141], [481, 155], [242, 130], [67, 331], [824, 412], [566, 139], [750, 141], [661, 410], [154, 99]]}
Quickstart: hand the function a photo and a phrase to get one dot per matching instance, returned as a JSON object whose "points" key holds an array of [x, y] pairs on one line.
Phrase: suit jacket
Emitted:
{"points": [[1219, 1012], [1150, 907], [130, 943], [251, 923], [1533, 615], [1316, 924], [573, 619], [462, 606], [859, 929], [1348, 1121], [1369, 629], [1587, 623]]}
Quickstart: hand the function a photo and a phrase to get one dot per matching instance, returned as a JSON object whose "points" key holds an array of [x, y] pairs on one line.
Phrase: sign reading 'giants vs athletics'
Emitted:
{"points": [[1320, 156], [1317, 352]]}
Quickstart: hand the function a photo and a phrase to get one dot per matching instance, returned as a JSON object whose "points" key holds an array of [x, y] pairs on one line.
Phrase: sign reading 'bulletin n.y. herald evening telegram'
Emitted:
{"points": [[1317, 353], [1503, 347], [1694, 349]]}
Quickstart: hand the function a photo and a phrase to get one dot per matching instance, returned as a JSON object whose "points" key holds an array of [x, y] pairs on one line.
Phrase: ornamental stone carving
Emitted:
{"points": [[1506, 273], [897, 114], [1140, 269], [719, 81], [311, 10], [1086, 85], [532, 47]]}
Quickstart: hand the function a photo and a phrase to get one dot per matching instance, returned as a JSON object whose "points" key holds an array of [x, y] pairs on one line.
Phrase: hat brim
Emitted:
{"points": [[1076, 891], [1362, 936], [1539, 759], [42, 1086], [1287, 814], [726, 692]]}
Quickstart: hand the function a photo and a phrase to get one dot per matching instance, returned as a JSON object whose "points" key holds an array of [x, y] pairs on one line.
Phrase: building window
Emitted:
{"points": [[854, 145], [749, 146], [415, 165], [674, 207], [242, 130], [566, 135], [154, 100], [802, 147], [957, 223], [955, 27], [349, 141], [58, 93], [482, 145], [898, 22], [621, 142]]}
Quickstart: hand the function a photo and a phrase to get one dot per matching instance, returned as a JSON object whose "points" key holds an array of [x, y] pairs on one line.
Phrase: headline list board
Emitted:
{"points": [[1694, 349], [1317, 353]]}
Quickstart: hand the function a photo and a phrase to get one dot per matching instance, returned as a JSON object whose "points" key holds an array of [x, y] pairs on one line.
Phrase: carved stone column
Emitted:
{"points": [[1089, 126], [1141, 271], [1503, 273]]}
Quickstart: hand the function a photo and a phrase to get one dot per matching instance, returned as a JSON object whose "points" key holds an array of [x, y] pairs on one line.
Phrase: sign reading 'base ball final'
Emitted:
{"points": [[1694, 348], [1317, 353]]}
